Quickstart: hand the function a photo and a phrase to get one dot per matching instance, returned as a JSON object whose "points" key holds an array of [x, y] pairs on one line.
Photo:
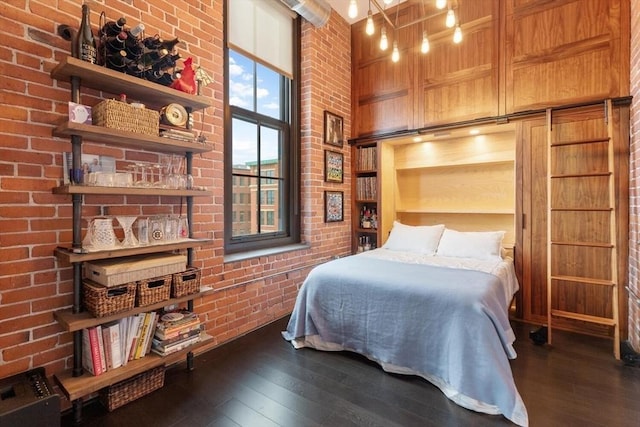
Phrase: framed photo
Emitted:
{"points": [[333, 166], [333, 206], [333, 129]]}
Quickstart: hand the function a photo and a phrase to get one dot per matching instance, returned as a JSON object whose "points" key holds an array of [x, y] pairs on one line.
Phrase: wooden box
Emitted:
{"points": [[116, 271]]}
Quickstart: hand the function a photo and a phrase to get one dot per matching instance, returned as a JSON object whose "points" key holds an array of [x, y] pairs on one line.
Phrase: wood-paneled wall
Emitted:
{"points": [[516, 55]]}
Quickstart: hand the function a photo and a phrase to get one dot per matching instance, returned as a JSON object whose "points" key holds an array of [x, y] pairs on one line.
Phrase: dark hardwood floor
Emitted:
{"points": [[259, 380]]}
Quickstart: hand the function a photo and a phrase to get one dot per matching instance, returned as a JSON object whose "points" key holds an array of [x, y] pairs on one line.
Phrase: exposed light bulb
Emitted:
{"points": [[384, 42], [395, 55], [441, 4], [388, 2], [370, 28], [424, 48], [457, 34], [451, 19], [353, 9]]}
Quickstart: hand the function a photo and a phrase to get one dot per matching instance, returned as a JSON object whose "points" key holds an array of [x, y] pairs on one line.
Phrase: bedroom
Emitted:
{"points": [[249, 292]]}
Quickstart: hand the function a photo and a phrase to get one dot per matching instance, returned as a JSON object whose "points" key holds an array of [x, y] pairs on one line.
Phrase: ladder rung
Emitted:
{"points": [[584, 141], [581, 175], [581, 209], [591, 281], [587, 244], [584, 317]]}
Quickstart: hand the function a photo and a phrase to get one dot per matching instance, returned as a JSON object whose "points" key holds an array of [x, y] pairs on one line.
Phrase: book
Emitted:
{"points": [[173, 332], [132, 335], [103, 361], [124, 329], [146, 319], [179, 337], [177, 346], [113, 348], [91, 351], [152, 330]]}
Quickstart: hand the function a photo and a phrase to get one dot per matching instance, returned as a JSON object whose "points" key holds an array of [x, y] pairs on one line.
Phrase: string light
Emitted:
{"points": [[450, 21], [395, 55], [353, 9], [384, 42], [457, 34], [424, 47], [370, 28], [441, 4]]}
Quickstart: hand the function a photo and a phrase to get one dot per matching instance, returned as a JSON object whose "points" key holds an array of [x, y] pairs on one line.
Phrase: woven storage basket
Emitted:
{"points": [[120, 115], [126, 391], [102, 301], [186, 282], [151, 291]]}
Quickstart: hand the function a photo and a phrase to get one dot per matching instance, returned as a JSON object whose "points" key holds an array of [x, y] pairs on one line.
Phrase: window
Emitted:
{"points": [[261, 141]]}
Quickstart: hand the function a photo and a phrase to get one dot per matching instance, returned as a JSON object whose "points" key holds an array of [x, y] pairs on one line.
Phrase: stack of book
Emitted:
{"points": [[175, 331], [111, 345], [179, 134]]}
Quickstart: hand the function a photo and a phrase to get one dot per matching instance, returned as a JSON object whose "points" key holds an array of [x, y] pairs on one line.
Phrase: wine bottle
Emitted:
{"points": [[117, 60], [152, 56], [133, 46], [170, 44], [84, 41], [167, 61], [115, 43], [153, 42], [113, 28]]}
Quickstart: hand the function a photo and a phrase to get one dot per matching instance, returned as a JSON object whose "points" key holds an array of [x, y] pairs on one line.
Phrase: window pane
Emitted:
{"points": [[268, 92], [241, 81], [245, 147], [243, 221], [270, 151], [272, 210]]}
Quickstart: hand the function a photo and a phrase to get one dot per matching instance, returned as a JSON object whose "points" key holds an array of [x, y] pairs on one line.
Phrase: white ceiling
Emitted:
{"points": [[342, 6]]}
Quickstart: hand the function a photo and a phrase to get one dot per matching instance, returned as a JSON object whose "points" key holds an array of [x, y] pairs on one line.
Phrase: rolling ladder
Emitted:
{"points": [[582, 261]]}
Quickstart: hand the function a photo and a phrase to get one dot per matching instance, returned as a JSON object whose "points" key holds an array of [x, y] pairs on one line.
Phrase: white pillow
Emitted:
{"points": [[422, 239], [484, 245]]}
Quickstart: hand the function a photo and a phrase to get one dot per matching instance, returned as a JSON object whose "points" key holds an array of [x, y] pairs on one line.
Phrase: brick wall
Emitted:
{"points": [[33, 221], [634, 206]]}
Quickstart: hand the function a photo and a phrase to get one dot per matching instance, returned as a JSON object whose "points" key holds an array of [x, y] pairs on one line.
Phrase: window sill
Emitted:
{"points": [[241, 256]]}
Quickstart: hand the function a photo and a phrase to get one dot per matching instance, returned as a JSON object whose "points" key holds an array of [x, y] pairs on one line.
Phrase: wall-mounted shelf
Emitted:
{"points": [[116, 137], [114, 82], [76, 255], [78, 387], [128, 191]]}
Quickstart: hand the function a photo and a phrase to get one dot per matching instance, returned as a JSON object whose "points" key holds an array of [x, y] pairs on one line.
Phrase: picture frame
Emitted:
{"points": [[333, 166], [333, 206], [333, 129]]}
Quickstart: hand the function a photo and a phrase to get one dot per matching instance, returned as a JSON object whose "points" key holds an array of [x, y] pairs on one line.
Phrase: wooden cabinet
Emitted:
{"points": [[75, 383]]}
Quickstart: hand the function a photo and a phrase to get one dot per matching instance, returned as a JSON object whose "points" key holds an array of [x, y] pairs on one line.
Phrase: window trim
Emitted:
{"points": [[291, 236]]}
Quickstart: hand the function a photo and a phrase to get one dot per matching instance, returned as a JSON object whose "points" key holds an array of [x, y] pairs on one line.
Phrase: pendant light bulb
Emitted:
{"points": [[441, 4], [388, 2], [384, 41], [353, 9], [424, 48], [457, 35], [451, 19], [395, 55], [370, 28]]}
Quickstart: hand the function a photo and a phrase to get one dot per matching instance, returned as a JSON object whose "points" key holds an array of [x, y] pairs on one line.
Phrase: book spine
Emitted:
{"points": [[106, 339], [143, 333], [103, 361], [94, 348]]}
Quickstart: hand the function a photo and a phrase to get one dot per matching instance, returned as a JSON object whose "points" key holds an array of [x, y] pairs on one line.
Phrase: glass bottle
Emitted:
{"points": [[113, 28], [84, 41]]}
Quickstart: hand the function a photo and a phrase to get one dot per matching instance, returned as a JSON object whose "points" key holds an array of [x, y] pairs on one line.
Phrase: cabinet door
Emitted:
{"points": [[531, 258]]}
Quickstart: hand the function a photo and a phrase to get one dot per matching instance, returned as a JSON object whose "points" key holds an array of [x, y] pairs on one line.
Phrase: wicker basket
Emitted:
{"points": [[120, 115], [151, 291], [126, 391], [186, 283], [102, 301]]}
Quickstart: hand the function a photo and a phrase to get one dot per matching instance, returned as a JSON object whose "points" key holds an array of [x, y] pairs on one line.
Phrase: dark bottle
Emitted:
{"points": [[133, 45], [85, 42], [153, 43], [113, 28], [150, 57], [117, 61], [115, 43], [170, 44], [167, 61]]}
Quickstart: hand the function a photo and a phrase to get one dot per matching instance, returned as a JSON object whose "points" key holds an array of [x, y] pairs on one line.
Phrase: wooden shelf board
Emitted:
{"points": [[458, 212], [367, 230], [116, 137], [114, 82], [77, 387], [452, 165], [68, 254], [75, 322], [128, 191]]}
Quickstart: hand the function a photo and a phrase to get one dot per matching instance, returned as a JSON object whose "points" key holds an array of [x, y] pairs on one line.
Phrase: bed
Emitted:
{"points": [[423, 311]]}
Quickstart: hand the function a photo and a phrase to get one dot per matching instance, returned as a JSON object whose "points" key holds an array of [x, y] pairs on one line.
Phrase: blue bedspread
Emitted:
{"points": [[447, 325]]}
